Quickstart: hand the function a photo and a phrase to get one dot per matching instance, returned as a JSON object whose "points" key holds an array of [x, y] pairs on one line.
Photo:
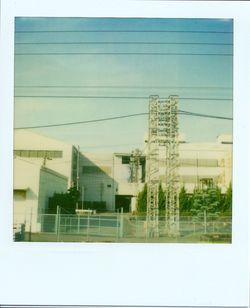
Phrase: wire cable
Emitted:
{"points": [[121, 54], [119, 97], [122, 31], [123, 43], [181, 112], [121, 87]]}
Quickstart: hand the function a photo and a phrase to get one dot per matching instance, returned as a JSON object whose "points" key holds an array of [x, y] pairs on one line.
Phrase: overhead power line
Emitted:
{"points": [[182, 112], [119, 97], [124, 43], [88, 121], [120, 87], [122, 31], [121, 54]]}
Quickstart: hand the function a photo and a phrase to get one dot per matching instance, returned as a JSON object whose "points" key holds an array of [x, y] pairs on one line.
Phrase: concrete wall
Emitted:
{"points": [[27, 140], [50, 182], [203, 161], [207, 160], [25, 196], [96, 178], [32, 187]]}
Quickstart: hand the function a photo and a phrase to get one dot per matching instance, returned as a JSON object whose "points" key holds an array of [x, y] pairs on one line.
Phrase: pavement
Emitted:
{"points": [[191, 238]]}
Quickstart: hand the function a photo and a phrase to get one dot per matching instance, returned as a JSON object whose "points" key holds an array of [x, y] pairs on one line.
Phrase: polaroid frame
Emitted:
{"points": [[96, 274]]}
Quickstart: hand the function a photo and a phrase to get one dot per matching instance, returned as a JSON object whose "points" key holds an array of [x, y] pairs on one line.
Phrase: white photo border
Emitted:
{"points": [[127, 274]]}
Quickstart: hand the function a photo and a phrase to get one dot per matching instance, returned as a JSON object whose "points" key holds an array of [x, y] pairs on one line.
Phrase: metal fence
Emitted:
{"points": [[88, 225], [126, 226], [187, 225]]}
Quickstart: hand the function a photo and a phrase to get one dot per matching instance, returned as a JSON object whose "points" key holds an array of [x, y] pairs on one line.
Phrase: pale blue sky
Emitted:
{"points": [[131, 75]]}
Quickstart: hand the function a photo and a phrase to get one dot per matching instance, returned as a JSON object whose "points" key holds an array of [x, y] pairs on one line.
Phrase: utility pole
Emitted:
{"points": [[82, 196], [30, 231], [135, 161], [135, 172], [77, 172], [45, 158]]}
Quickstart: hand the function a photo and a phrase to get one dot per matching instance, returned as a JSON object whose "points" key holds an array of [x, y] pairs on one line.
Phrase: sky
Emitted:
{"points": [[121, 58]]}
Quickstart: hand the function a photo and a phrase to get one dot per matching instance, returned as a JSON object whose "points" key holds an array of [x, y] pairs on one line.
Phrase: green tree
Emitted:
{"points": [[227, 206], [142, 201], [67, 201], [161, 199], [184, 201], [74, 194], [209, 200]]}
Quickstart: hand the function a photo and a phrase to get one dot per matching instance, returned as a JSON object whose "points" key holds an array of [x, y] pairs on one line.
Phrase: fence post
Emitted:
{"points": [[205, 221], [78, 224], [117, 225], [58, 222], [30, 225], [136, 227], [121, 223], [88, 227]]}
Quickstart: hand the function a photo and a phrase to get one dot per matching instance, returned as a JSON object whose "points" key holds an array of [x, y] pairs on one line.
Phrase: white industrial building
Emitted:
{"points": [[52, 153], [33, 185], [43, 166], [206, 162], [203, 162], [107, 177]]}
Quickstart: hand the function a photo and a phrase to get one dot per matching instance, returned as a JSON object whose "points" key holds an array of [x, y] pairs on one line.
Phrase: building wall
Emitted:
{"points": [[122, 176], [25, 192], [199, 161], [96, 179], [32, 187], [50, 182], [27, 144], [205, 161]]}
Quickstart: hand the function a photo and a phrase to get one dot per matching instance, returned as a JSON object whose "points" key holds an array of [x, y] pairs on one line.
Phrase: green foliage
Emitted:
{"points": [[99, 206], [142, 201], [184, 201], [67, 201], [161, 199], [209, 199], [227, 204], [74, 193]]}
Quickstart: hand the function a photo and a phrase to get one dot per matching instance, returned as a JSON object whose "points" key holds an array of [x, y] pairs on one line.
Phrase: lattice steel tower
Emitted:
{"points": [[162, 163], [135, 162]]}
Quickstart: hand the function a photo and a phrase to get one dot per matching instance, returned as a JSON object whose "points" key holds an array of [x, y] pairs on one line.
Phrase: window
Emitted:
{"points": [[125, 160], [96, 170], [200, 162], [38, 153]]}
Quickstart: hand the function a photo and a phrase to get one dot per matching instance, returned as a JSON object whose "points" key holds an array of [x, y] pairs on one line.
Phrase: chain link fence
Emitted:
{"points": [[119, 227], [89, 225]]}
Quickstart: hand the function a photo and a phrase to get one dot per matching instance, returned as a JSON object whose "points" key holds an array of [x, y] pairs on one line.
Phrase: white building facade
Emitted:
{"points": [[202, 163], [52, 153], [107, 177], [33, 186], [43, 165], [206, 163]]}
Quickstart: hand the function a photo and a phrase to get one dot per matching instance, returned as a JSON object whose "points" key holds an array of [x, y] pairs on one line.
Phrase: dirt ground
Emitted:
{"points": [[191, 238]]}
